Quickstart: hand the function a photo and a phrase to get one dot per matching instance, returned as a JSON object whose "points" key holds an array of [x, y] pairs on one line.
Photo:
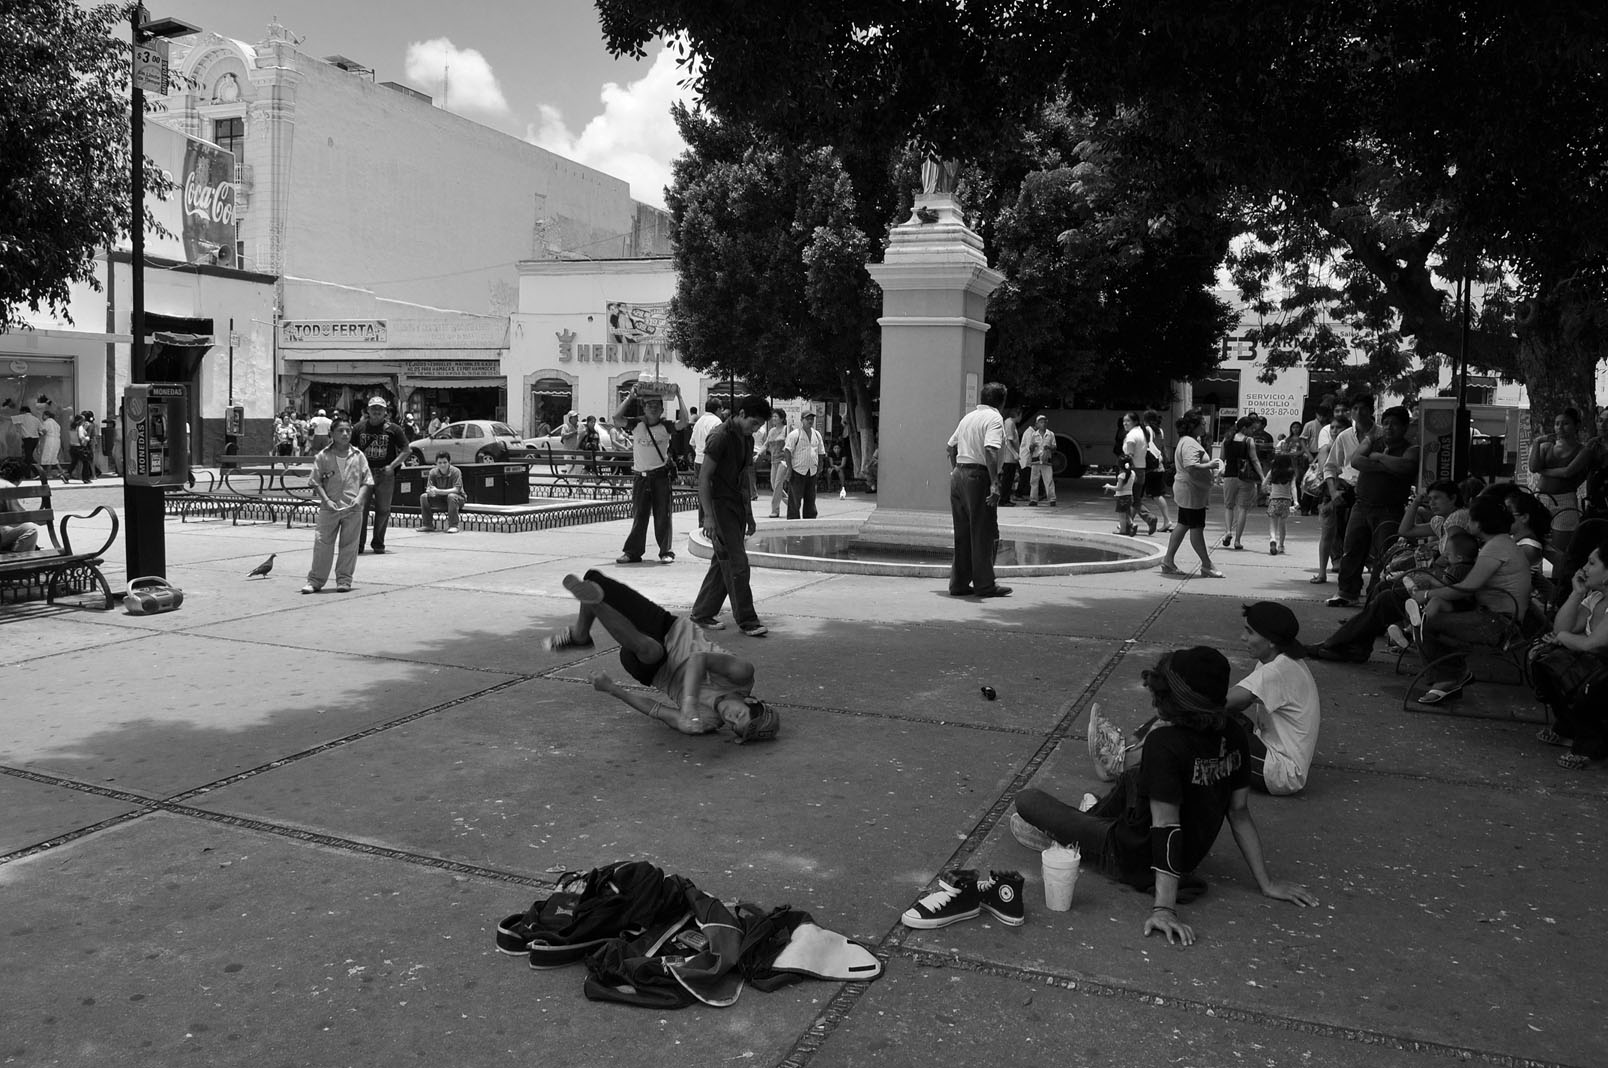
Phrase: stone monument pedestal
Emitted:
{"points": [[935, 284]]}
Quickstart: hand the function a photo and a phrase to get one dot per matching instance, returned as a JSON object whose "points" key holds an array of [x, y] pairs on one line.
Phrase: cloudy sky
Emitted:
{"points": [[536, 69]]}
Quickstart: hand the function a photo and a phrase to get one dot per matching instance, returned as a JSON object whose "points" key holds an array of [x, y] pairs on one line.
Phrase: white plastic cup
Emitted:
{"points": [[1060, 865]]}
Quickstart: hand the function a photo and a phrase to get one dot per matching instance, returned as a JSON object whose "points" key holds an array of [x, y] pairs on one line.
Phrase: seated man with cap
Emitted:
{"points": [[708, 688], [1159, 822]]}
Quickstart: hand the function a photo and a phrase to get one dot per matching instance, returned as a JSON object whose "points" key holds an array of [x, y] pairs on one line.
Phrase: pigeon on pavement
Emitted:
{"points": [[264, 567]]}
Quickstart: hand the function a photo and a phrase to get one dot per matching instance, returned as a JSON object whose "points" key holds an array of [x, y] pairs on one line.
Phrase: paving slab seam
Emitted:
{"points": [[146, 806], [59, 652], [345, 740], [1216, 1011], [350, 845], [843, 1002]]}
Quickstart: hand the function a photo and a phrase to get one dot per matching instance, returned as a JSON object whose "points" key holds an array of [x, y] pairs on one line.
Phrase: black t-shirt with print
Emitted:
{"points": [[380, 444], [1196, 770]]}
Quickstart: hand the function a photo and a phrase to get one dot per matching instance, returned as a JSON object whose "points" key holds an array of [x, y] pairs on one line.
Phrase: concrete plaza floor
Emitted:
{"points": [[270, 829]]}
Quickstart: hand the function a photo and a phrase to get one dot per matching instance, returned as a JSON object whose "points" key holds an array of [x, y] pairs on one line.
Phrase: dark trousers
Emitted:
{"points": [[1357, 634], [1139, 509], [976, 525], [30, 449], [647, 617], [379, 502], [650, 496], [728, 571], [1008, 474], [83, 463], [1359, 542], [800, 494]]}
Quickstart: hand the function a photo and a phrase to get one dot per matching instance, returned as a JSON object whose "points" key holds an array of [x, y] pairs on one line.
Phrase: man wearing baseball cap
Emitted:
{"points": [[708, 687], [386, 446], [1160, 820]]}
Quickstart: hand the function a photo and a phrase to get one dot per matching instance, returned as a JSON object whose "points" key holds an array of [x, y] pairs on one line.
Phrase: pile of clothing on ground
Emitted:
{"points": [[653, 939]]}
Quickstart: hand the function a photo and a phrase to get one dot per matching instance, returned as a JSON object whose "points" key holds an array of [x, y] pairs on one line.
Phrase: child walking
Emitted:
{"points": [[1280, 486], [1123, 491]]}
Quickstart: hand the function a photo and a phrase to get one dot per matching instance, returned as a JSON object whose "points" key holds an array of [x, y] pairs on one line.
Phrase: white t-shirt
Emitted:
{"points": [[650, 445], [1286, 714], [1134, 447], [980, 429], [320, 425], [700, 434]]}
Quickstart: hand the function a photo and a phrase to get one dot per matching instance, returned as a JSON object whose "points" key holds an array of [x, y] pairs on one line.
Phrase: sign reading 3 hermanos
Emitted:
{"points": [[326, 333]]}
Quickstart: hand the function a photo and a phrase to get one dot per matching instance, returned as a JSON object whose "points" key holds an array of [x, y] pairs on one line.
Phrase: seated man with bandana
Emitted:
{"points": [[1159, 822], [708, 688]]}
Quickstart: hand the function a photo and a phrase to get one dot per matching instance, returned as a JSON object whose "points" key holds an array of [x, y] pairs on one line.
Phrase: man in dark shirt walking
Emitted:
{"points": [[386, 445], [728, 518]]}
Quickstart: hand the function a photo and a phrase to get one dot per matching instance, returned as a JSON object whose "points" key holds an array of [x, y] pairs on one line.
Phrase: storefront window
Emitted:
{"points": [[46, 387], [550, 400]]}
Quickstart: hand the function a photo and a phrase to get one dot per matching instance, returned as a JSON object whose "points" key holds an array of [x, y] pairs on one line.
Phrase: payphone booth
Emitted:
{"points": [[156, 433]]}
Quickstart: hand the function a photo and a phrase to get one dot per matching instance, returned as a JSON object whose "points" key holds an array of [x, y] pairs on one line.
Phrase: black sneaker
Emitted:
{"points": [[709, 623], [1001, 894], [560, 640], [955, 899]]}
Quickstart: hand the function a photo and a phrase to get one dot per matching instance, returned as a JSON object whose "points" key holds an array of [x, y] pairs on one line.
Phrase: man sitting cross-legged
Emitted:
{"points": [[1159, 822], [708, 688]]}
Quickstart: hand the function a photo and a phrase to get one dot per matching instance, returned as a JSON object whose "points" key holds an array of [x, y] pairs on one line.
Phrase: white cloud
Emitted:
{"points": [[635, 138], [459, 79]]}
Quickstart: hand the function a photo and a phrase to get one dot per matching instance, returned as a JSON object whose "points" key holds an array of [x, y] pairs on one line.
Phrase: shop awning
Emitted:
{"points": [[174, 346]]}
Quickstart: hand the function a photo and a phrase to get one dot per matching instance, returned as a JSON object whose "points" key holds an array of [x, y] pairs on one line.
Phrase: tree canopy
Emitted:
{"points": [[64, 150], [1396, 146]]}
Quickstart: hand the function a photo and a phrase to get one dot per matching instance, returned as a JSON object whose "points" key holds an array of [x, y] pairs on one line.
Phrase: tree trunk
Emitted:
{"points": [[1559, 365]]}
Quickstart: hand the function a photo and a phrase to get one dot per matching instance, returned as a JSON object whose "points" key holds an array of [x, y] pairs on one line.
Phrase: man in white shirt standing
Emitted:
{"points": [[319, 424], [974, 451], [714, 415], [1010, 459], [768, 445], [802, 454], [1278, 702]]}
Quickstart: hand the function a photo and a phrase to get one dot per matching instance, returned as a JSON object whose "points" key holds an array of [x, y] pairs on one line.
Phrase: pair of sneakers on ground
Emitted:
{"points": [[964, 895], [432, 530], [666, 557]]}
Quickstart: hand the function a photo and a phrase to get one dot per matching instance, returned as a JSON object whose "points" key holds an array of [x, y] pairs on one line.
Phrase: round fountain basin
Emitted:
{"points": [[837, 545]]}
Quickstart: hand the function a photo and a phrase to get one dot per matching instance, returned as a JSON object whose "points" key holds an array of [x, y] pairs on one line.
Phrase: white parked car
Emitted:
{"points": [[473, 441], [610, 439]]}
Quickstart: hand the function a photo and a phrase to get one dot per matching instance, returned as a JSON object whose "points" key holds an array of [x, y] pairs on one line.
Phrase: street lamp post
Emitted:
{"points": [[142, 505]]}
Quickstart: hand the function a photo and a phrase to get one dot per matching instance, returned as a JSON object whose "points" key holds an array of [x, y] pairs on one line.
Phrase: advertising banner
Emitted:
{"points": [[638, 324], [199, 214]]}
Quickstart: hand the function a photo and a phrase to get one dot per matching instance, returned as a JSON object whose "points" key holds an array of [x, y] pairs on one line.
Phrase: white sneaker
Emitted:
{"points": [[1088, 803], [1107, 747], [452, 530], [1397, 638]]}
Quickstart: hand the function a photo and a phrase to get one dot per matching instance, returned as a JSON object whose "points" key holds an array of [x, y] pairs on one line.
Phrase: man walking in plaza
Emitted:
{"points": [[651, 470], [714, 416], [802, 454], [342, 481], [29, 428], [1385, 463], [386, 446], [974, 451], [728, 518], [768, 449], [319, 426]]}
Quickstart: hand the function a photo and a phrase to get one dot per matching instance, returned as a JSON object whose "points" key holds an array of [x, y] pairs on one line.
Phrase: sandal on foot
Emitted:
{"points": [[1211, 572], [1445, 691], [1318, 580], [1573, 761], [1552, 737], [1172, 569]]}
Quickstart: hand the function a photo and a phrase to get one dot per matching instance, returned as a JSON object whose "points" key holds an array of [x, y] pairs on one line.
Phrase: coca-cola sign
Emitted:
{"points": [[208, 193], [198, 217]]}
